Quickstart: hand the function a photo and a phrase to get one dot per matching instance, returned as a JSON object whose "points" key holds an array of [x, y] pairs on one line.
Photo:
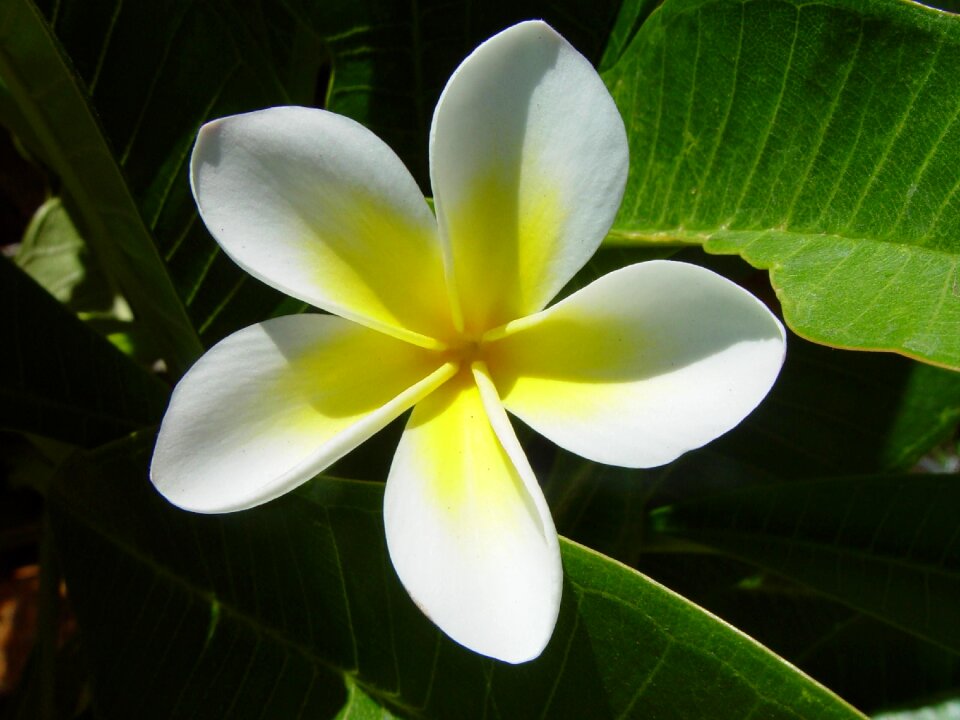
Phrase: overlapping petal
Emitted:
{"points": [[273, 404], [528, 161], [320, 208], [468, 531], [644, 364]]}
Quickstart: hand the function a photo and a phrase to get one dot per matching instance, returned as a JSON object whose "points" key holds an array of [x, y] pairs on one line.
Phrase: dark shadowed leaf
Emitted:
{"points": [[886, 545], [868, 662], [60, 379], [55, 104], [238, 615]]}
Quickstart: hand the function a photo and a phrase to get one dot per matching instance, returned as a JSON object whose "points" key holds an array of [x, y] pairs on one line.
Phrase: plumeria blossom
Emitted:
{"points": [[448, 314]]}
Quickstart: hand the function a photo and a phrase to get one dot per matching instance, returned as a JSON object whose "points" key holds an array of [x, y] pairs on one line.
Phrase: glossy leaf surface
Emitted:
{"points": [[819, 141]]}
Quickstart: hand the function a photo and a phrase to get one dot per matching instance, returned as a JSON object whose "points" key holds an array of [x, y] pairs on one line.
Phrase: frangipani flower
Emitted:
{"points": [[445, 314]]}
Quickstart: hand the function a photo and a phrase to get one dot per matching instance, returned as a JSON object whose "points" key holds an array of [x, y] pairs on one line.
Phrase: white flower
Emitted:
{"points": [[528, 161]]}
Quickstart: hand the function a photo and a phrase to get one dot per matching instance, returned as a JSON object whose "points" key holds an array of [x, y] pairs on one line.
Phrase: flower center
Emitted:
{"points": [[465, 351]]}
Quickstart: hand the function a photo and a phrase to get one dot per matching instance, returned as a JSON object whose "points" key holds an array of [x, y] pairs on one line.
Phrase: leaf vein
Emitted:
{"points": [[108, 37], [778, 104], [152, 88], [824, 127], [722, 129], [894, 134]]}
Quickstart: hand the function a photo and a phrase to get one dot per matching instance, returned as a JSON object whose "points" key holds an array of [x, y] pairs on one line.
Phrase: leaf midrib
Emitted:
{"points": [[683, 237]]}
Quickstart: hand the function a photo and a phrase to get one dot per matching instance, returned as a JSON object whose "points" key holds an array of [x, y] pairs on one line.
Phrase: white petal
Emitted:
{"points": [[270, 406], [644, 364], [317, 206], [528, 160], [468, 530]]}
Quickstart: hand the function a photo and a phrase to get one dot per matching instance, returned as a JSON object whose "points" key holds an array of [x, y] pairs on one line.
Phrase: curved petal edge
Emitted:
{"points": [[468, 530], [272, 405], [641, 366], [528, 162]]}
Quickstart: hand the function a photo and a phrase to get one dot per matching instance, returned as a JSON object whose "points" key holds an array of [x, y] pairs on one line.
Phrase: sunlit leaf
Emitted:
{"points": [[820, 141], [361, 706], [55, 256]]}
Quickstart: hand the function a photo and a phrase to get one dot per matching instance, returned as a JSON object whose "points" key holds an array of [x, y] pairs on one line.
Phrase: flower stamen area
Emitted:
{"points": [[467, 351], [464, 351]]}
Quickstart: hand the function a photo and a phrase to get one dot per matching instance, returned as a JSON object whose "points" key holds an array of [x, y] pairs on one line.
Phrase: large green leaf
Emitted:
{"points": [[819, 140], [54, 104], [885, 545], [246, 614], [60, 379]]}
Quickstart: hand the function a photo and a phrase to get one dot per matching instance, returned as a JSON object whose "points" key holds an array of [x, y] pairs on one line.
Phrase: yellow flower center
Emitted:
{"points": [[465, 350]]}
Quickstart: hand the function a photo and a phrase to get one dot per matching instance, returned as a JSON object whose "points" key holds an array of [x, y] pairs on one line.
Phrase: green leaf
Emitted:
{"points": [[818, 140], [53, 253], [55, 256], [60, 379], [54, 103], [361, 706], [236, 615], [885, 545], [929, 413], [632, 15], [27, 461]]}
